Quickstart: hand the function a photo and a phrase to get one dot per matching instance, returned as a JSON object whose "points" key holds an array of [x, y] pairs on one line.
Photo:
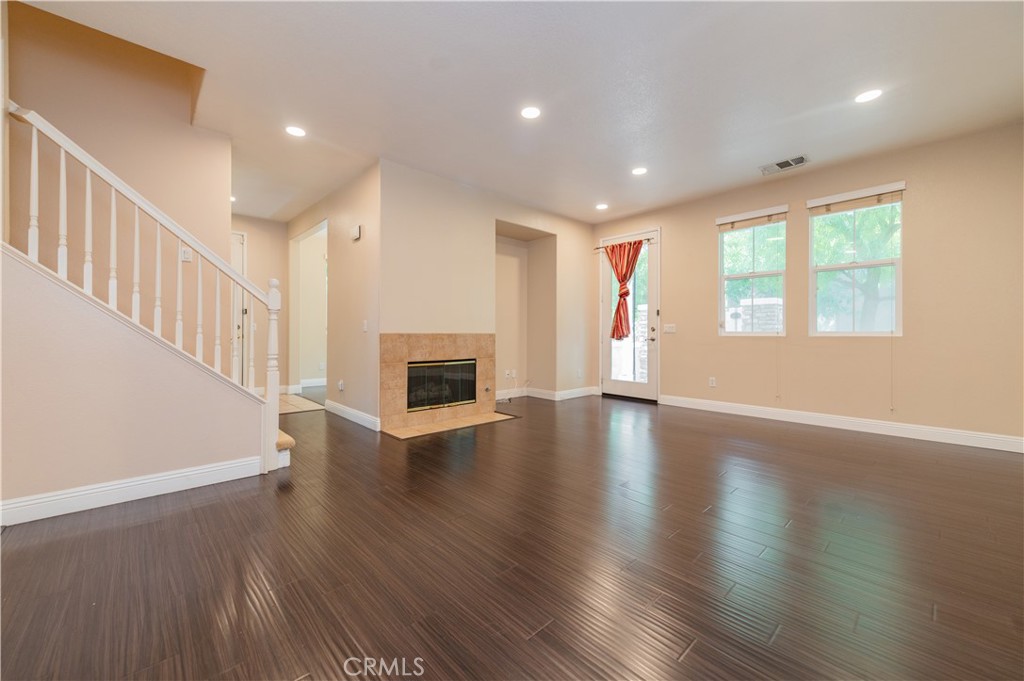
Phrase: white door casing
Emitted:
{"points": [[629, 367]]}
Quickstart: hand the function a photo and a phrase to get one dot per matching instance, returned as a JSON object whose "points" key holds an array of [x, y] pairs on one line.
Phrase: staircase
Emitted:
{"points": [[112, 292]]}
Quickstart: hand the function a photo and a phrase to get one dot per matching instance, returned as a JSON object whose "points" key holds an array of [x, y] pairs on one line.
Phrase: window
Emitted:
{"points": [[856, 254], [752, 268]]}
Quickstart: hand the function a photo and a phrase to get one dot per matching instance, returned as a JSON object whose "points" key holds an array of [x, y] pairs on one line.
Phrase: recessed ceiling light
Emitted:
{"points": [[639, 171], [232, 199], [295, 131], [867, 96], [530, 112], [601, 206]]}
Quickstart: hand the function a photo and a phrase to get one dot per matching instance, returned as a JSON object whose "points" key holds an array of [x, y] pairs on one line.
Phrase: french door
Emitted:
{"points": [[629, 367]]}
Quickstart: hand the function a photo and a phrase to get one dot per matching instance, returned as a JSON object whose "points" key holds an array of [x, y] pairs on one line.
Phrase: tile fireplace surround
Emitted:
{"points": [[398, 349]]}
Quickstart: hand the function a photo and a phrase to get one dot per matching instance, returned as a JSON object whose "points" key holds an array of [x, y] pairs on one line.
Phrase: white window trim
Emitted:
{"points": [[858, 194], [722, 278], [751, 215], [812, 289]]}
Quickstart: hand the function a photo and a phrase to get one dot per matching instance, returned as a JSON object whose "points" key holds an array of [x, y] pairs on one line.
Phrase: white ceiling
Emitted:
{"points": [[700, 93]]}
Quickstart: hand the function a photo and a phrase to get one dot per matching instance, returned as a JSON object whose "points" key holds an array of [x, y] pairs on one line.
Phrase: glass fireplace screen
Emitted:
{"points": [[441, 384]]}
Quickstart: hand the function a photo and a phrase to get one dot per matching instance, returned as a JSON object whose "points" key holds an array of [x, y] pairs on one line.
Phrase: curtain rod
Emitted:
{"points": [[647, 239]]}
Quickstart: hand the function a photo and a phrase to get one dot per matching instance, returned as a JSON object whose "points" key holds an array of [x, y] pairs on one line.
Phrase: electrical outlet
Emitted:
{"points": [[579, 373], [365, 326], [341, 386], [323, 366], [711, 382]]}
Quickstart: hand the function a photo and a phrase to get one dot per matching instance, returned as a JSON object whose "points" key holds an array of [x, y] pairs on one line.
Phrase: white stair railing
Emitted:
{"points": [[240, 288]]}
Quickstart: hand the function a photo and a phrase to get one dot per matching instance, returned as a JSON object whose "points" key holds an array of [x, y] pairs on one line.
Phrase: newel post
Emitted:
{"points": [[273, 393]]}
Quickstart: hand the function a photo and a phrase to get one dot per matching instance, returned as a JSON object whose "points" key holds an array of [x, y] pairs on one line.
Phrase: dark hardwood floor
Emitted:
{"points": [[589, 539]]}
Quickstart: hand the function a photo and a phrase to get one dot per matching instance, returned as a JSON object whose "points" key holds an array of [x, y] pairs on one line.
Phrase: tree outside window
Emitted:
{"points": [[856, 258], [752, 287]]}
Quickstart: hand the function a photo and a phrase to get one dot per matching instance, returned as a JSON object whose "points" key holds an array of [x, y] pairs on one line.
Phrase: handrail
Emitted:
{"points": [[123, 188]]}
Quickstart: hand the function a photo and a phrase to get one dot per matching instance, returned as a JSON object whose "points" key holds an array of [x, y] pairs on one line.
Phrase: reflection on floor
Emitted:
{"points": [[590, 538], [293, 404]]}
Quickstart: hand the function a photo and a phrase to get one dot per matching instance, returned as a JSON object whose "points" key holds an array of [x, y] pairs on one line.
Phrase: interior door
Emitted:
{"points": [[239, 313], [629, 367]]}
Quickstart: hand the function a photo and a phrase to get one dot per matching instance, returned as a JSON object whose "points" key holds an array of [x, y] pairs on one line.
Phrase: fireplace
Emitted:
{"points": [[432, 385]]}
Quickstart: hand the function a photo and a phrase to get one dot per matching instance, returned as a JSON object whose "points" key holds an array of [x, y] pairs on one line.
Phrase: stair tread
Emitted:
{"points": [[284, 441]]}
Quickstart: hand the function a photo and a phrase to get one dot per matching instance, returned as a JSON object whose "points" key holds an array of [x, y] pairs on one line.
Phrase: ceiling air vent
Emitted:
{"points": [[778, 167]]}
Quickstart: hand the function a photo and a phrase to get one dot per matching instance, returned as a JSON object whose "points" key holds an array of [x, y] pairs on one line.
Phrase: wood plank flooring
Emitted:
{"points": [[591, 538]]}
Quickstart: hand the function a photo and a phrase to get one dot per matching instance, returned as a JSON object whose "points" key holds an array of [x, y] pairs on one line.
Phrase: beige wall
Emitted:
{"points": [[960, 361], [130, 108], [4, 125], [266, 251], [312, 308], [75, 422], [542, 321], [511, 312], [438, 266], [353, 275]]}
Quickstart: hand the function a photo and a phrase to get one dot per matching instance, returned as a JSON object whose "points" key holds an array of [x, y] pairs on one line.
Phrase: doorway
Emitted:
{"points": [[629, 367], [308, 322]]}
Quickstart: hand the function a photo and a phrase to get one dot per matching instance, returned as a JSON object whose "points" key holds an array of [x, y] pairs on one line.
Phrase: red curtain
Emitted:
{"points": [[623, 257]]}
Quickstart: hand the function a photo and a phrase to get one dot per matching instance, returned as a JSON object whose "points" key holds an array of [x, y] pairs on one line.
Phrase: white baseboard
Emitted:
{"points": [[284, 458], [509, 394], [291, 389], [354, 415], [969, 438], [36, 507], [313, 382], [563, 394]]}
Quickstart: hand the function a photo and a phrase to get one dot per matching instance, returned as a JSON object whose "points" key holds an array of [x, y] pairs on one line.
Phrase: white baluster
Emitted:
{"points": [[216, 320], [236, 363], [158, 325], [62, 219], [135, 272], [199, 307], [179, 327], [112, 283], [273, 377], [252, 346], [33, 199], [87, 267]]}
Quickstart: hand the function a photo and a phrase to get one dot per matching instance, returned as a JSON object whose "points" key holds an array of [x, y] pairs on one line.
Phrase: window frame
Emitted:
{"points": [[814, 270], [781, 213]]}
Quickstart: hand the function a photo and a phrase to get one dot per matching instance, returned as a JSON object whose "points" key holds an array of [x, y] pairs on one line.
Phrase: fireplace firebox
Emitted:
{"points": [[432, 385]]}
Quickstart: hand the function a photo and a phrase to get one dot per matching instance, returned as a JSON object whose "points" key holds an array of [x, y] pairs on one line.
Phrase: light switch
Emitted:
{"points": [[186, 253], [670, 328]]}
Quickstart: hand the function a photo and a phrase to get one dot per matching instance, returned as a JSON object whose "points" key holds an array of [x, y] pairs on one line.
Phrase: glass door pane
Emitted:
{"points": [[629, 355]]}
